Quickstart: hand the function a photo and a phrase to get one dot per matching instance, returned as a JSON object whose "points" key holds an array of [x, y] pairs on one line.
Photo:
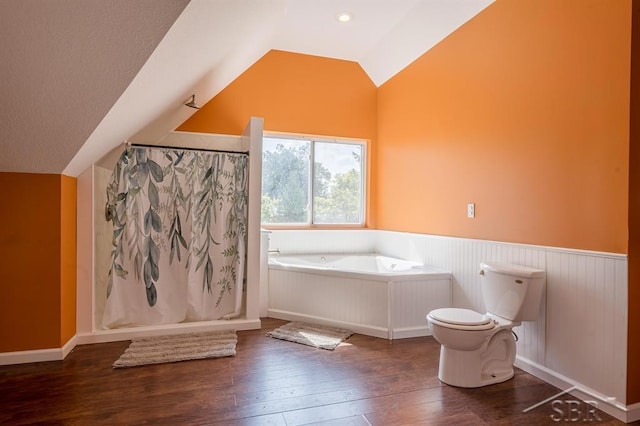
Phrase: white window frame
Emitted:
{"points": [[363, 181]]}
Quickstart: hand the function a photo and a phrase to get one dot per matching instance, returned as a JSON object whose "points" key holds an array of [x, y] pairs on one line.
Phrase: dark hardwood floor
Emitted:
{"points": [[364, 381]]}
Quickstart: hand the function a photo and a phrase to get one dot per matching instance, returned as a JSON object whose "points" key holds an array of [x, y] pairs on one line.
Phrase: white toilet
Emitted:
{"points": [[480, 349]]}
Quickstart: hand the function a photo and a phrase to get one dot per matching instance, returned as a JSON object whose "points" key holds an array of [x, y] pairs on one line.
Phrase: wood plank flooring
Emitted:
{"points": [[365, 381]]}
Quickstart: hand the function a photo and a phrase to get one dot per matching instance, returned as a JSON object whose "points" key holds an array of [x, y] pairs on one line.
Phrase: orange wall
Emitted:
{"points": [[68, 194], [633, 341], [30, 253], [524, 111], [294, 93], [299, 94]]}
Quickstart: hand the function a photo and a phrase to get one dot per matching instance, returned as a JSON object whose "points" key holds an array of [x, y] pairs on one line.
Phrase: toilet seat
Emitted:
{"points": [[461, 319]]}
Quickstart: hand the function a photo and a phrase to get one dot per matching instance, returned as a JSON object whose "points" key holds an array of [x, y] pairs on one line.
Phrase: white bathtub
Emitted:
{"points": [[368, 265], [367, 293]]}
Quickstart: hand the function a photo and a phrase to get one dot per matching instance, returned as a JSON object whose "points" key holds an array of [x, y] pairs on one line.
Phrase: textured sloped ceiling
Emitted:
{"points": [[64, 65], [209, 45]]}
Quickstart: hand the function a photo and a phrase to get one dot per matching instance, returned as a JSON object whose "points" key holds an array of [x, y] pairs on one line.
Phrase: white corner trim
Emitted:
{"points": [[68, 347], [610, 405]]}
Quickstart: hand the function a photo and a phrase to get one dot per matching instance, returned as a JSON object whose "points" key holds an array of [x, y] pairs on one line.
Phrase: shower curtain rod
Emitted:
{"points": [[138, 145]]}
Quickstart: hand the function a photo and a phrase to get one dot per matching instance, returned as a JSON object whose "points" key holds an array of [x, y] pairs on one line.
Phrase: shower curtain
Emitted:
{"points": [[179, 236]]}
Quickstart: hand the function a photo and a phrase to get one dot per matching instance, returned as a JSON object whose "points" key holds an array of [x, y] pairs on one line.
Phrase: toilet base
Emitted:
{"points": [[488, 365]]}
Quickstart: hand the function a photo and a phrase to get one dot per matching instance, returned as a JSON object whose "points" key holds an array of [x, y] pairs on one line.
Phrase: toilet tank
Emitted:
{"points": [[510, 291]]}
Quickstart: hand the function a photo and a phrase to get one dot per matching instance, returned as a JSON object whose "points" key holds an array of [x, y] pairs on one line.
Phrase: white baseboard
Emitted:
{"points": [[409, 332], [38, 355], [633, 412], [610, 405], [368, 330], [24, 357]]}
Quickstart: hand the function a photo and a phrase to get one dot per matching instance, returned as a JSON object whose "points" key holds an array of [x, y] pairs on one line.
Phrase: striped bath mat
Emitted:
{"points": [[178, 347]]}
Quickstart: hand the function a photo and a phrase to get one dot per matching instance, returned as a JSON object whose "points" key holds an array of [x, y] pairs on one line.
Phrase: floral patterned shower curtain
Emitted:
{"points": [[179, 236]]}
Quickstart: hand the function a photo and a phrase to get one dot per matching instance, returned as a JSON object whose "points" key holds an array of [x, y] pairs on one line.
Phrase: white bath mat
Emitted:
{"points": [[314, 335], [179, 347]]}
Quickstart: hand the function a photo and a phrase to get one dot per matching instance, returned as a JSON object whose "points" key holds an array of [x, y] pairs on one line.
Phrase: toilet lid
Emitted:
{"points": [[458, 316]]}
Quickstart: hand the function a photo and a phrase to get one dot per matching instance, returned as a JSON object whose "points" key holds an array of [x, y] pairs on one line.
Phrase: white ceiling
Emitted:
{"points": [[79, 77]]}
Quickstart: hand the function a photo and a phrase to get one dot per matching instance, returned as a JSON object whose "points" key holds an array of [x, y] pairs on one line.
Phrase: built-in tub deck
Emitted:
{"points": [[368, 293]]}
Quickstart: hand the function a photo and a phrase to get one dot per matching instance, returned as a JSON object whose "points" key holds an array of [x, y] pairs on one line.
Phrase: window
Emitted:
{"points": [[312, 182]]}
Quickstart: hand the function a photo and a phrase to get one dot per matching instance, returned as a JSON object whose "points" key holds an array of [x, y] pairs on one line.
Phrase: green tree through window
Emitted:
{"points": [[335, 195]]}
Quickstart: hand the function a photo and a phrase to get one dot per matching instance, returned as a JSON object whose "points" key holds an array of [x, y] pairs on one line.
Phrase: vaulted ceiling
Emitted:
{"points": [[79, 77]]}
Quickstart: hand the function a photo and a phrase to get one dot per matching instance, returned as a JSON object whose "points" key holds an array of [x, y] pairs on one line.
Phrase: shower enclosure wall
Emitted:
{"points": [[95, 235]]}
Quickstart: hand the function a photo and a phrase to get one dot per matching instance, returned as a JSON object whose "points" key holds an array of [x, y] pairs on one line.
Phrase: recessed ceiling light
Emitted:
{"points": [[344, 17]]}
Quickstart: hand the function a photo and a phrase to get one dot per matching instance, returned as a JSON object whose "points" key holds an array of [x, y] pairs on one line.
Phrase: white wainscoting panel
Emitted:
{"points": [[587, 320]]}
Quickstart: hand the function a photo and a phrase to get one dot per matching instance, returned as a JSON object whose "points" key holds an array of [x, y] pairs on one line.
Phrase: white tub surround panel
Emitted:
{"points": [[322, 241], [354, 304], [377, 306]]}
